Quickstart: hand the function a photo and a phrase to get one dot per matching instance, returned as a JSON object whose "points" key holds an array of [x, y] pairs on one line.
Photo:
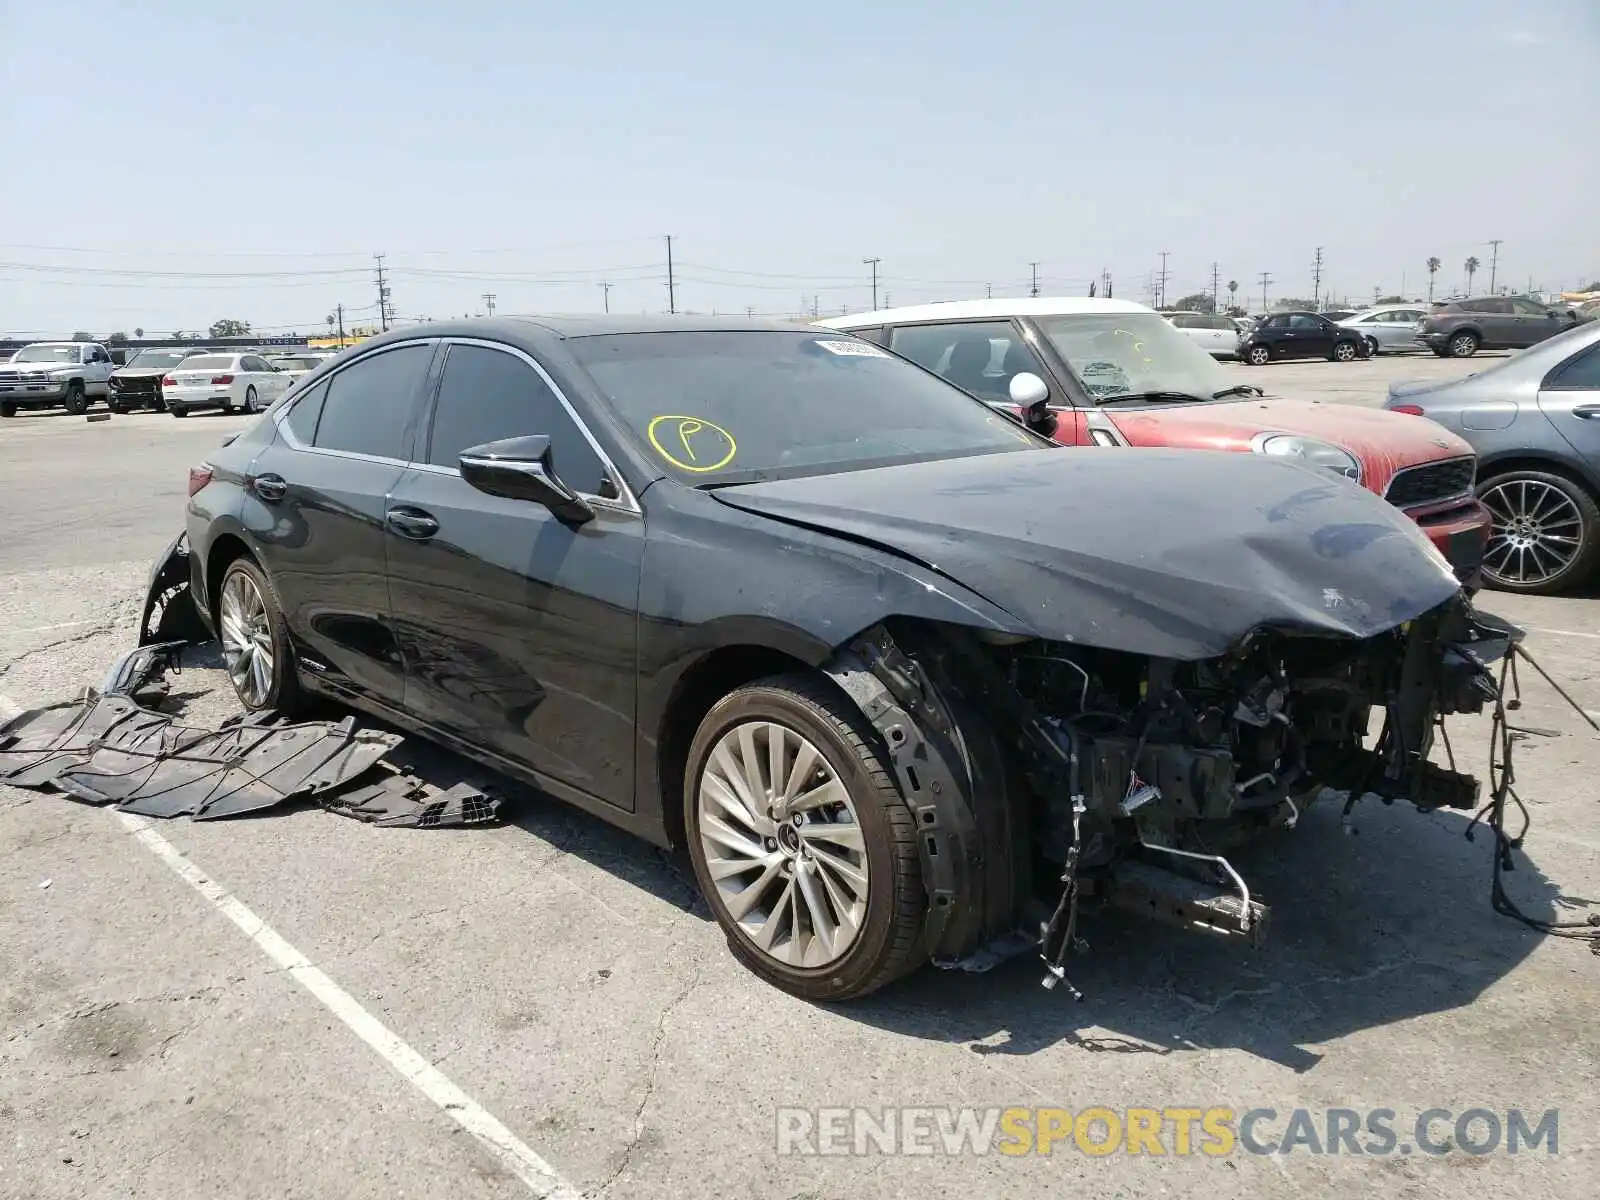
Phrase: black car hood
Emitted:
{"points": [[1173, 553], [140, 372]]}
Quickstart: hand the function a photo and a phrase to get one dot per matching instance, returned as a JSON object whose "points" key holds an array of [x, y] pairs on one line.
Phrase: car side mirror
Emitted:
{"points": [[520, 468], [1026, 389]]}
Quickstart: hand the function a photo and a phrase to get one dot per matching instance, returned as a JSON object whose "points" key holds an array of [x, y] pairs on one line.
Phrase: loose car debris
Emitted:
{"points": [[107, 748]]}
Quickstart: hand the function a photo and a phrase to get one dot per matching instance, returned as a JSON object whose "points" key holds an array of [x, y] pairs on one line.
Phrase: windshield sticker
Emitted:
{"points": [[692, 443], [855, 349]]}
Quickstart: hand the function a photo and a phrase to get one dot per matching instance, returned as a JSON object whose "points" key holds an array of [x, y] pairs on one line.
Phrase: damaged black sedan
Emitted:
{"points": [[907, 681]]}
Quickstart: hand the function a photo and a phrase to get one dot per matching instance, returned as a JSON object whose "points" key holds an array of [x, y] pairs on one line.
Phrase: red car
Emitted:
{"points": [[1114, 373]]}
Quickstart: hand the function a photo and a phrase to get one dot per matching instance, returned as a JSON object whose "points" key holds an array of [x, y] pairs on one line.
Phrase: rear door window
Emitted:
{"points": [[1579, 374], [370, 403], [303, 414]]}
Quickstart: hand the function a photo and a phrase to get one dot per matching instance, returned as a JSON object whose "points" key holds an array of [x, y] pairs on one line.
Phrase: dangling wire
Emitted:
{"points": [[1502, 788]]}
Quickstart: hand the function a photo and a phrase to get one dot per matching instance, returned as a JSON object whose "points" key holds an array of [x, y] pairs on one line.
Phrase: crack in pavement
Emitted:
{"points": [[656, 1043], [110, 626]]}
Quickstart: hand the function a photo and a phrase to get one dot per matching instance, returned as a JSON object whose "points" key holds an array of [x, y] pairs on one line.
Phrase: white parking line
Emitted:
{"points": [[47, 628], [540, 1178], [1565, 633]]}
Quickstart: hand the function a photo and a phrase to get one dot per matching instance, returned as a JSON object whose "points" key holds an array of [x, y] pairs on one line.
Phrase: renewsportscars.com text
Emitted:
{"points": [[1212, 1132]]}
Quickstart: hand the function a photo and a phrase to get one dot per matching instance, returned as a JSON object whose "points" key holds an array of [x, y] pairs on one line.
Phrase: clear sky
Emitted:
{"points": [[169, 162]]}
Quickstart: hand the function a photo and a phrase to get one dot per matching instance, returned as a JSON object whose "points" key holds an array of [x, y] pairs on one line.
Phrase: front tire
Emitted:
{"points": [[1372, 347], [1344, 352], [1463, 345], [255, 640], [76, 403], [1258, 356], [801, 842], [8, 408], [1546, 534]]}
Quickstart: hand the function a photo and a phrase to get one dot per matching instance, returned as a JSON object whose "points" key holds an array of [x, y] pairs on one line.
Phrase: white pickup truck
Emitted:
{"points": [[55, 374]]}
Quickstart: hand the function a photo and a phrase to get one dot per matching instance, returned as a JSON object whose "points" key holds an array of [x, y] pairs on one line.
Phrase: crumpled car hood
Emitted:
{"points": [[1178, 554]]}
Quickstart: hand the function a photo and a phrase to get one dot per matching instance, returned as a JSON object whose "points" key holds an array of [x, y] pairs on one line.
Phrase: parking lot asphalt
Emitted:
{"points": [[564, 978]]}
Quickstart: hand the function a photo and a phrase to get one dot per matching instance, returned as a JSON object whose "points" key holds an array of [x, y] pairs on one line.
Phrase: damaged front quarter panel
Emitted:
{"points": [[1130, 774], [170, 613]]}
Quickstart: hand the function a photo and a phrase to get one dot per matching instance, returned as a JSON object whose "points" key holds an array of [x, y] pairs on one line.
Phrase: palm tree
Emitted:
{"points": [[1233, 289], [138, 333], [1472, 264], [1433, 269]]}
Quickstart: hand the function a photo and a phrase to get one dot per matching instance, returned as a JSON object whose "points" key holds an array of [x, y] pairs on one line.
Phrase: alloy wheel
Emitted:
{"points": [[1344, 352], [246, 640], [783, 845], [1538, 532], [1259, 355]]}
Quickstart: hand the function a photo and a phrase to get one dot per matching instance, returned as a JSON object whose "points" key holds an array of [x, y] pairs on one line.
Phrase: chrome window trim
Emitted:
{"points": [[627, 502]]}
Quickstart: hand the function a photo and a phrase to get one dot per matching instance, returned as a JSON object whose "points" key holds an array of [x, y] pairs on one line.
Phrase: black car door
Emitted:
{"points": [[1312, 336], [518, 628], [314, 507]]}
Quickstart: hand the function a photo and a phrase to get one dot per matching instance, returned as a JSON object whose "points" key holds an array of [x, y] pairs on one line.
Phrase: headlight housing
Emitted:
{"points": [[1310, 451]]}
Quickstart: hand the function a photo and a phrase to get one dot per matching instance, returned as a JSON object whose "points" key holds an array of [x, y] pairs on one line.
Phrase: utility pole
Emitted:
{"points": [[383, 295], [672, 284], [1033, 289], [816, 305], [1494, 261], [1266, 278], [1316, 281], [873, 263], [988, 291], [488, 303], [339, 308], [1216, 297], [605, 296], [1161, 291]]}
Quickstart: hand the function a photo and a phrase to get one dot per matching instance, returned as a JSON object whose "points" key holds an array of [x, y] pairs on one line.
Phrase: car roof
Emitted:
{"points": [[959, 310]]}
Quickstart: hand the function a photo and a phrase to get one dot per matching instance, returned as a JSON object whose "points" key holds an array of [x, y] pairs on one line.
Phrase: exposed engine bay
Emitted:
{"points": [[1122, 779]]}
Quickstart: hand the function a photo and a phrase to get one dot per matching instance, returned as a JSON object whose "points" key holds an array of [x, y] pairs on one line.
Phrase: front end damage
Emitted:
{"points": [[1048, 776]]}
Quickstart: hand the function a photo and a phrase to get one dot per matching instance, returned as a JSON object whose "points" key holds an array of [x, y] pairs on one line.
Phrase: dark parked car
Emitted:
{"points": [[1534, 420], [877, 655], [1339, 314], [1460, 328], [1300, 335], [138, 384]]}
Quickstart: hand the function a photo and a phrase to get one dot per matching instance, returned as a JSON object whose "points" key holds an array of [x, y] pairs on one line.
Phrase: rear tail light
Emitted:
{"points": [[168, 381], [199, 477], [1411, 410], [222, 379]]}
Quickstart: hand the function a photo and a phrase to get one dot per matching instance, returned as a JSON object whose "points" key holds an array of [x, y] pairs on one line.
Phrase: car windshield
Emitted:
{"points": [[156, 358], [734, 407], [1121, 354], [206, 362], [44, 354]]}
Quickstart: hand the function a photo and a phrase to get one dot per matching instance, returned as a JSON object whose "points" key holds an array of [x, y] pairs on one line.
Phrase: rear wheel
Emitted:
{"points": [[177, 410], [1372, 347], [250, 403], [75, 402], [1344, 352], [801, 842], [255, 640], [1546, 533], [1463, 345], [1258, 356]]}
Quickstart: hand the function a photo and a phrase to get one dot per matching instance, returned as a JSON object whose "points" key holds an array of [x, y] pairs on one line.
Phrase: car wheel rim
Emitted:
{"points": [[1538, 532], [1462, 345], [1258, 355], [246, 640], [1345, 353], [783, 845]]}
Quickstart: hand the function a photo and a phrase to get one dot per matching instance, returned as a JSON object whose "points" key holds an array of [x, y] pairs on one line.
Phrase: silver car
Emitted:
{"points": [[1534, 420], [1388, 329], [1217, 335]]}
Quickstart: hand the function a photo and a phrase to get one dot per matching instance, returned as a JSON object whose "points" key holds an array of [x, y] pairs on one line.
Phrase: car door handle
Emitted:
{"points": [[412, 523], [1587, 411], [270, 488]]}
